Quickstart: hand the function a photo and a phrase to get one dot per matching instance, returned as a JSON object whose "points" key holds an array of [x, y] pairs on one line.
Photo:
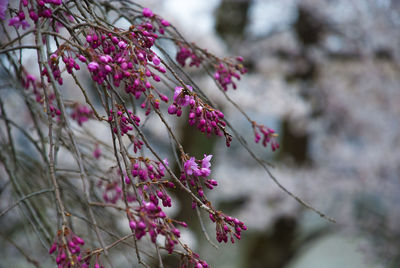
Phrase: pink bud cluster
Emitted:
{"points": [[124, 122], [151, 102], [67, 58], [127, 58], [207, 119], [151, 172], [54, 111], [149, 182], [226, 71], [147, 170], [160, 22], [68, 247], [149, 218], [112, 192], [55, 68], [70, 64], [193, 260], [44, 8], [227, 226], [194, 170], [184, 53], [112, 189], [268, 136], [29, 81], [81, 113], [137, 143]]}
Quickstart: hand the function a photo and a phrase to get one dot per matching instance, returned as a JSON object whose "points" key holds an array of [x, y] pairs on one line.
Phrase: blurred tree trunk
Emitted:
{"points": [[278, 247]]}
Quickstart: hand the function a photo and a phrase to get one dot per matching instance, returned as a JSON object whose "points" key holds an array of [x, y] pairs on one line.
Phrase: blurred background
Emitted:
{"points": [[325, 75]]}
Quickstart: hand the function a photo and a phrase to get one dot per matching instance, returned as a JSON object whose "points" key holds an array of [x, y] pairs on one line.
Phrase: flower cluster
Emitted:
{"points": [[160, 23], [227, 226], [127, 58], [151, 186], [194, 170], [123, 121], [68, 247], [70, 63], [54, 111], [184, 53], [207, 119], [44, 10], [55, 69], [149, 218], [269, 136], [146, 169], [29, 81], [112, 189], [81, 113], [226, 71], [149, 174]]}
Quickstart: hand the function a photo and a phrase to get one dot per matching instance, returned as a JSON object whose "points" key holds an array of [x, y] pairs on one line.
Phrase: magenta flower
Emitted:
{"points": [[205, 166], [191, 167], [161, 166], [3, 8], [180, 98]]}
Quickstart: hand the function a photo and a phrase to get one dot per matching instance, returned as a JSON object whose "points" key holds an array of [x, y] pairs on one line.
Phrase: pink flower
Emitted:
{"points": [[180, 98], [147, 12], [205, 166], [161, 166], [191, 167]]}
